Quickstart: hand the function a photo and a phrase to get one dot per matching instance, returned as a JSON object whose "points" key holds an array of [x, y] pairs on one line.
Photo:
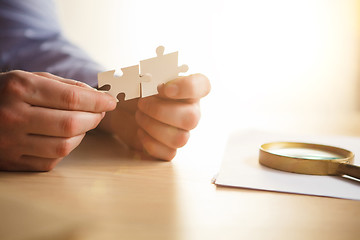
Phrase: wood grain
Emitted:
{"points": [[110, 192]]}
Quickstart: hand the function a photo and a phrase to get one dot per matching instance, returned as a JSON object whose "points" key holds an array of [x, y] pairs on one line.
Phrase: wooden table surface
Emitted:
{"points": [[103, 191]]}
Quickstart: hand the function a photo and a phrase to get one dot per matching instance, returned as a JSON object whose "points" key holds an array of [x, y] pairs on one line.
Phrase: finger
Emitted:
{"points": [[155, 148], [65, 80], [177, 114], [35, 164], [60, 123], [170, 136], [50, 147], [194, 86], [62, 95]]}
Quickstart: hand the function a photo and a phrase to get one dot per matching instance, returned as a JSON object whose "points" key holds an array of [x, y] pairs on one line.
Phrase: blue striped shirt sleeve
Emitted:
{"points": [[31, 40]]}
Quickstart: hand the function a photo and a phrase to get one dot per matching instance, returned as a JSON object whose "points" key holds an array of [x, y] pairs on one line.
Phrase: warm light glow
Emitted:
{"points": [[263, 57]]}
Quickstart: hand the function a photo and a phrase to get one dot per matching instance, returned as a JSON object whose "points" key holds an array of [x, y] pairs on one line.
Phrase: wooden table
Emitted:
{"points": [[103, 191]]}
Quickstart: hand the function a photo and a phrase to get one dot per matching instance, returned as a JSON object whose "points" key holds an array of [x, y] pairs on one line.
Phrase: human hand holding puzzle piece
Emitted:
{"points": [[153, 72]]}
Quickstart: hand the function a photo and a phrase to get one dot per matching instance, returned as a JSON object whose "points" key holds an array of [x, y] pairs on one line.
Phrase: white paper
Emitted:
{"points": [[241, 168]]}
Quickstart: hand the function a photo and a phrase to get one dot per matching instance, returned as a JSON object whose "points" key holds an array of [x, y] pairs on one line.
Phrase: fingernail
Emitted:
{"points": [[171, 90]]}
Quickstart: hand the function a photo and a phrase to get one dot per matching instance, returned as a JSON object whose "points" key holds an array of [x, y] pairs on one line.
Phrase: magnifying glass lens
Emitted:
{"points": [[308, 158], [305, 153]]}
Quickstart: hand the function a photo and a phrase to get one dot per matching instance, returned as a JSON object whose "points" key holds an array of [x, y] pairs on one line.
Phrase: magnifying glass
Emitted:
{"points": [[308, 158]]}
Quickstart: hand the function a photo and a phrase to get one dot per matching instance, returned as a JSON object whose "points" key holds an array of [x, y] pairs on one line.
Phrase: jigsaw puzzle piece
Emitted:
{"points": [[106, 78], [161, 68], [128, 83]]}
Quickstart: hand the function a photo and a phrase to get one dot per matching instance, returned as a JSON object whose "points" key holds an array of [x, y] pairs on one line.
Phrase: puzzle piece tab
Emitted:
{"points": [[161, 68], [154, 71], [128, 83]]}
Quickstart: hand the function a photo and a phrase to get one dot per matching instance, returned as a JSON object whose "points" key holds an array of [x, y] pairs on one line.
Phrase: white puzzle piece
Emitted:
{"points": [[154, 71], [128, 83], [161, 68]]}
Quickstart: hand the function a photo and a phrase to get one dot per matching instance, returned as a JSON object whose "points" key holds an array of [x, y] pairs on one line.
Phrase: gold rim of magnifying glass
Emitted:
{"points": [[303, 165]]}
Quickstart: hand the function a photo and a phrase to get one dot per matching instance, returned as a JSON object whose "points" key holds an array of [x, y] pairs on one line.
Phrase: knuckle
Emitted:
{"points": [[9, 118], [153, 149], [63, 148], [14, 86], [69, 126], [45, 74], [70, 98], [181, 139], [150, 148], [170, 155], [145, 106], [191, 119], [48, 165], [143, 120], [15, 74]]}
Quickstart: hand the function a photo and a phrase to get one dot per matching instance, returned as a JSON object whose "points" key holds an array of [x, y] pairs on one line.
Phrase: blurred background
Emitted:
{"points": [[273, 64]]}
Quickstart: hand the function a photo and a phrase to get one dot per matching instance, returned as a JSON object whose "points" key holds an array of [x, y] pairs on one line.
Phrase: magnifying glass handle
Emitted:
{"points": [[350, 170]]}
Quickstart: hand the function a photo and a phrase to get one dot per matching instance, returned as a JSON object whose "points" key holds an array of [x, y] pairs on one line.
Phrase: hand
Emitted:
{"points": [[160, 124], [44, 117]]}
